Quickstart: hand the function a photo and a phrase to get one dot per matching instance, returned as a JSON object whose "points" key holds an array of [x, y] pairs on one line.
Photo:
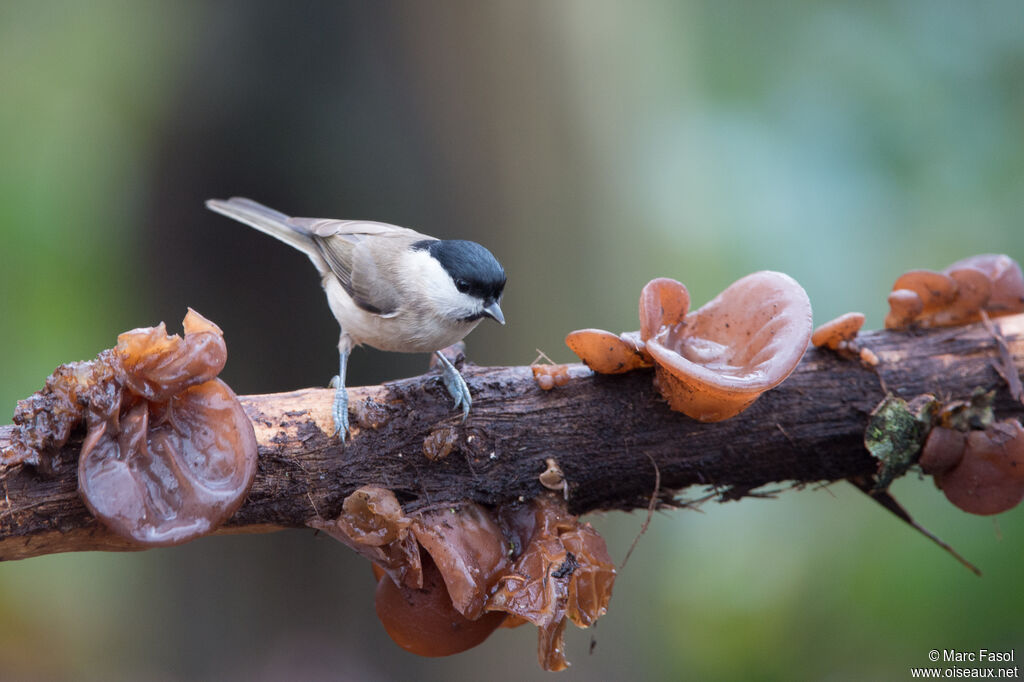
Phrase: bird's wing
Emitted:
{"points": [[363, 272]]}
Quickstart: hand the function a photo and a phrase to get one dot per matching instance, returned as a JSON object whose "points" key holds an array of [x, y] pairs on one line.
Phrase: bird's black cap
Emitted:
{"points": [[473, 268]]}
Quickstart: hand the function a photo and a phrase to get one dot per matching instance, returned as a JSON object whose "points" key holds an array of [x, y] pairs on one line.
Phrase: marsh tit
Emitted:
{"points": [[389, 287]]}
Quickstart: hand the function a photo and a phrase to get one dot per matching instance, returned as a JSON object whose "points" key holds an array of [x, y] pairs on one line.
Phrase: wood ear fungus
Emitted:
{"points": [[992, 283], [175, 455], [839, 333], [745, 341], [713, 363], [424, 621], [606, 353], [988, 476]]}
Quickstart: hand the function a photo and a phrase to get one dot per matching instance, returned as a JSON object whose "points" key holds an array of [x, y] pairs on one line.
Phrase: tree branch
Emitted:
{"points": [[607, 433]]}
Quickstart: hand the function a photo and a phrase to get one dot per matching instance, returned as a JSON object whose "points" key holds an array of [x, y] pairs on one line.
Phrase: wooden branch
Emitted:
{"points": [[603, 431]]}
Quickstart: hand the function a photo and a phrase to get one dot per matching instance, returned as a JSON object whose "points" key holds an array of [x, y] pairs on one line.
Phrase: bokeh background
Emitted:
{"points": [[592, 145]]}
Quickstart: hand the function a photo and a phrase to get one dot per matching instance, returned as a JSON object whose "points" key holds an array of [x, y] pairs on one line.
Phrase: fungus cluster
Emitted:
{"points": [[549, 376], [980, 471], [169, 453], [713, 363], [446, 579], [989, 283]]}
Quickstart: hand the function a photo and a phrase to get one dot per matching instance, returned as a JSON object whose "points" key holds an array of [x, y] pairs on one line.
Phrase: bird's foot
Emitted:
{"points": [[340, 409], [456, 385]]}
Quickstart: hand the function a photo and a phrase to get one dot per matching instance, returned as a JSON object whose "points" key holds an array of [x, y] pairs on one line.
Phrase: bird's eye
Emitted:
{"points": [[462, 285]]}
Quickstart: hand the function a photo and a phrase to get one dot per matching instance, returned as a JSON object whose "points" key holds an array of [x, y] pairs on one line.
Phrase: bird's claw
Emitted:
{"points": [[340, 410], [456, 385]]}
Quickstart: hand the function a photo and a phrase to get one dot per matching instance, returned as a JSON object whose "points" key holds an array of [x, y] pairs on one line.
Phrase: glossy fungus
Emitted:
{"points": [[424, 621], [745, 341], [448, 577], [564, 570], [1007, 295], [606, 353], [468, 548], [174, 456], [550, 376], [990, 283], [905, 306], [989, 477], [838, 333], [372, 523], [943, 450]]}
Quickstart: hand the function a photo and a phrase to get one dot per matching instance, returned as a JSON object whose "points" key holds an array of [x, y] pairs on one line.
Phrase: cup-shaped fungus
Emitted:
{"points": [[175, 455], [992, 283], [606, 353], [1007, 295], [989, 477], [745, 341], [838, 333], [424, 621], [468, 549], [564, 570]]}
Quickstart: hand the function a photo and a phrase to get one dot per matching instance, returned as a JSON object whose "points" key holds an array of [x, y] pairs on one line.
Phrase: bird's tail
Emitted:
{"points": [[264, 219]]}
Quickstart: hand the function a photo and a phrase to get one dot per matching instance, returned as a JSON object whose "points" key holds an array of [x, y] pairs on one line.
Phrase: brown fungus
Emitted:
{"points": [[468, 548], [425, 621], [564, 570], [372, 523], [838, 333], [942, 451], [745, 341], [550, 376], [174, 456], [990, 283], [664, 302], [1004, 273], [989, 478], [905, 306], [606, 353]]}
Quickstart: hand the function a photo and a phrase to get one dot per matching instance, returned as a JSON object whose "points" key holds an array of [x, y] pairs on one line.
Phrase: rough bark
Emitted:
{"points": [[606, 433]]}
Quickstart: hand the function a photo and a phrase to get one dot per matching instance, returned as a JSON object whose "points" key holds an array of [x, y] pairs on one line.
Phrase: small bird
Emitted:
{"points": [[389, 287]]}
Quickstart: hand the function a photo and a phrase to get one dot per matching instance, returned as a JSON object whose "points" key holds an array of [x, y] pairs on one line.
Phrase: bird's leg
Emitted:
{"points": [[340, 408], [455, 384]]}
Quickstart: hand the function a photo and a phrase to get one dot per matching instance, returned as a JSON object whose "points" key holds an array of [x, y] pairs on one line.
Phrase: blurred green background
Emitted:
{"points": [[592, 145]]}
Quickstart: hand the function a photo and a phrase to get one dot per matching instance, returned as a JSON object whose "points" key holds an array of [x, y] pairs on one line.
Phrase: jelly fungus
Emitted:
{"points": [[174, 455], [838, 333], [372, 523], [606, 353], [468, 549], [942, 451], [424, 621], [664, 302], [989, 478], [992, 283], [745, 341], [564, 570], [549, 376], [905, 306], [477, 570], [1004, 273]]}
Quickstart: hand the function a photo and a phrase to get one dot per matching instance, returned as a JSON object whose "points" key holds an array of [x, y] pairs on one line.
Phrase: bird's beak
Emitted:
{"points": [[494, 311]]}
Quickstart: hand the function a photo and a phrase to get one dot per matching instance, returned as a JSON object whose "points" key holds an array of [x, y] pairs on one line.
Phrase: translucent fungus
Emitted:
{"points": [[905, 306], [1004, 273], [372, 523], [424, 621], [564, 570], [174, 456], [468, 549], [839, 332], [745, 341], [989, 478], [606, 353]]}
